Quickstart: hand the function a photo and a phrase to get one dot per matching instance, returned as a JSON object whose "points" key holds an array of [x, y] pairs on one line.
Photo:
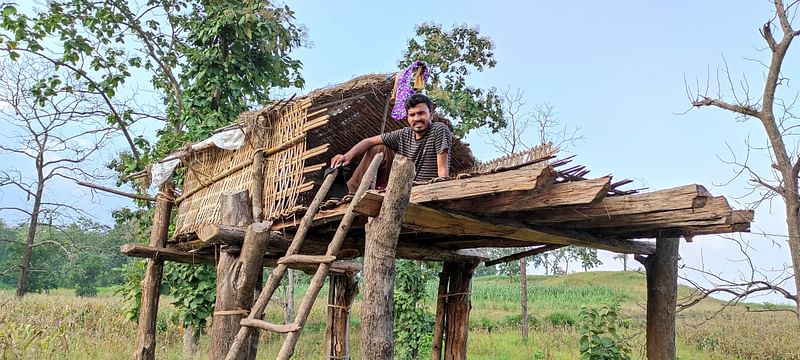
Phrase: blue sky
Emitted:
{"points": [[616, 69]]}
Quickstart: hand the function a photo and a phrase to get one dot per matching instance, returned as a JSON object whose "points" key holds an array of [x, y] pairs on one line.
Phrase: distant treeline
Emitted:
{"points": [[83, 255]]}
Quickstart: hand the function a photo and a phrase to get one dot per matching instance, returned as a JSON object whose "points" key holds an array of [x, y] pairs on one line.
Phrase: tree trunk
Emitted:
{"points": [[377, 310], [236, 209], [523, 297], [191, 339], [662, 296], [793, 225], [342, 292], [25, 261]]}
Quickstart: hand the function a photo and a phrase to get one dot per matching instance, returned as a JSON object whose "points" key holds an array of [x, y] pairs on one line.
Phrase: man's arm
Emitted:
{"points": [[356, 151], [442, 168]]}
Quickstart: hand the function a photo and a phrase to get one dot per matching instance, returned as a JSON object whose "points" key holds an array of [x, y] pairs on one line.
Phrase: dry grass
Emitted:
{"points": [[62, 326]]}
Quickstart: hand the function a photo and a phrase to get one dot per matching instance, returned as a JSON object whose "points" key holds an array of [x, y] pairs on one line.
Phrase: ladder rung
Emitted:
{"points": [[306, 259], [278, 328]]}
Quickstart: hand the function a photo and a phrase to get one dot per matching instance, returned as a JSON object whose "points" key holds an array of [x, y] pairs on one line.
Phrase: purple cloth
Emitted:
{"points": [[405, 88]]}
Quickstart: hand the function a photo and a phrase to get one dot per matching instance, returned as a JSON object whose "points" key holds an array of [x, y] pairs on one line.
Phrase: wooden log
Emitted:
{"points": [[151, 284], [248, 272], [307, 259], [678, 198], [430, 220], [662, 295], [534, 177], [458, 308], [564, 194], [716, 211], [523, 254], [342, 292], [379, 254], [263, 325], [441, 309], [236, 210], [167, 254]]}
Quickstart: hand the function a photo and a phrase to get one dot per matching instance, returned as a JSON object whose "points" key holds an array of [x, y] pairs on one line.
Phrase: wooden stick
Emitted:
{"points": [[441, 309], [151, 284], [257, 187], [117, 192], [523, 254]]}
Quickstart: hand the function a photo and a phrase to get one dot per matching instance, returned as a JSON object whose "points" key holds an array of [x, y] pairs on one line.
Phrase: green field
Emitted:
{"points": [[59, 325]]}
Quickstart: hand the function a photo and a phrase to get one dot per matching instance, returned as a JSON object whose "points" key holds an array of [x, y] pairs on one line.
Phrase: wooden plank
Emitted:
{"points": [[564, 194], [306, 259], [534, 177], [716, 211], [678, 198], [430, 220]]}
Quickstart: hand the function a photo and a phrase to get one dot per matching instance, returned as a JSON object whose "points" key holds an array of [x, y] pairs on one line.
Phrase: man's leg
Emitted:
{"points": [[383, 170]]}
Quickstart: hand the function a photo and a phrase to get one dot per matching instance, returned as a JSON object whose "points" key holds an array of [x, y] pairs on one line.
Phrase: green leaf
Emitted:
{"points": [[9, 10]]}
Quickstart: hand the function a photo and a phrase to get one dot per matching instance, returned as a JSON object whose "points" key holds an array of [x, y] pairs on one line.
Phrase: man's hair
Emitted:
{"points": [[417, 99]]}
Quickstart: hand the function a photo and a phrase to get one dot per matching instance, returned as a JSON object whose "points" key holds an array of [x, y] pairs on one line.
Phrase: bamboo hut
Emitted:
{"points": [[253, 196]]}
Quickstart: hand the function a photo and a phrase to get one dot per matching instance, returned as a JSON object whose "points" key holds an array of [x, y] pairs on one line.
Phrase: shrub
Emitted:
{"points": [[561, 319], [599, 337]]}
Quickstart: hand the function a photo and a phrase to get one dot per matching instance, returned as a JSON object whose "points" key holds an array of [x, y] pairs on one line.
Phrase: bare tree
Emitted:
{"points": [[753, 282], [57, 134], [776, 117], [624, 259], [515, 137]]}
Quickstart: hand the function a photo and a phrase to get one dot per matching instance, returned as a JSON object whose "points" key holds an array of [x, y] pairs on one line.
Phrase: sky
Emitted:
{"points": [[617, 69]]}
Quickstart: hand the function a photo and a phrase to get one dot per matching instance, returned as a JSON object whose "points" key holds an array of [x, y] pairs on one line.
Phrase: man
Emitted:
{"points": [[425, 142]]}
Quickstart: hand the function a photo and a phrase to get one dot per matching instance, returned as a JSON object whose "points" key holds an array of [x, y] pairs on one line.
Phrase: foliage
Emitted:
{"points": [[600, 339], [451, 56], [193, 292], [413, 324], [131, 287]]}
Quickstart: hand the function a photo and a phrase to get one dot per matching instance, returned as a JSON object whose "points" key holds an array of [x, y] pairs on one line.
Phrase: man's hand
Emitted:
{"points": [[339, 159]]}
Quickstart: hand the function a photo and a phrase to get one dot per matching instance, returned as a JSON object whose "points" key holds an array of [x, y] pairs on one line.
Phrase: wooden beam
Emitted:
{"points": [[151, 284], [662, 295], [430, 220], [536, 176], [564, 194], [678, 198], [379, 256], [169, 254], [523, 254], [342, 291], [143, 197]]}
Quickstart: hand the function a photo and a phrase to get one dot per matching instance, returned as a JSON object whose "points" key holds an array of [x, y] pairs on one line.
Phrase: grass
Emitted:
{"points": [[59, 325]]}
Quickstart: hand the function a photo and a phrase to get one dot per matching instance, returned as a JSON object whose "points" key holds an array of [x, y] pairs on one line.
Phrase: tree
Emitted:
{"points": [[624, 259], [776, 117], [57, 134], [209, 61], [451, 56]]}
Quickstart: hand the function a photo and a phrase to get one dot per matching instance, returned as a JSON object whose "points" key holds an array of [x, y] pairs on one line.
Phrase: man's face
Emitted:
{"points": [[419, 118]]}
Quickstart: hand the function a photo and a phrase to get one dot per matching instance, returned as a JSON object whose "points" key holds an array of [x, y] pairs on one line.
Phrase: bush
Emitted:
{"points": [[599, 337], [561, 319]]}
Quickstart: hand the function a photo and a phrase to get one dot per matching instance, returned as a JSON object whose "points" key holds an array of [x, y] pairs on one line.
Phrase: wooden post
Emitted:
{"points": [[441, 309], [458, 307], [342, 292], [236, 210], [662, 296], [151, 284], [377, 307]]}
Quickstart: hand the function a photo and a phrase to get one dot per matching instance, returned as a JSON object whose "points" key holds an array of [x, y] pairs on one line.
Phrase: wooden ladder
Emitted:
{"points": [[292, 256]]}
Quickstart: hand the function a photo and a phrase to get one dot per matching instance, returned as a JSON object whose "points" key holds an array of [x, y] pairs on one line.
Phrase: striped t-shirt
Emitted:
{"points": [[436, 140]]}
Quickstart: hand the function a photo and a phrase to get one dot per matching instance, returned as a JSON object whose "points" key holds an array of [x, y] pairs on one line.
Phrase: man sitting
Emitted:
{"points": [[427, 143]]}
